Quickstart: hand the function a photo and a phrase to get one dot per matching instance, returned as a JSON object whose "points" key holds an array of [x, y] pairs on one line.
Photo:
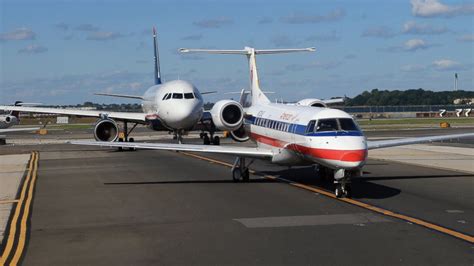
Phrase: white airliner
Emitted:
{"points": [[287, 134], [171, 106], [12, 119]]}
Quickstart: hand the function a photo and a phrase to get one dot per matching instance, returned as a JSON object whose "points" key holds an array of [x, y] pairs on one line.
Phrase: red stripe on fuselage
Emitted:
{"points": [[329, 154]]}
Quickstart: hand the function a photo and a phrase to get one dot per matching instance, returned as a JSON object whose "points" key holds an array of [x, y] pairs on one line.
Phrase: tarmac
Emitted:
{"points": [[95, 206]]}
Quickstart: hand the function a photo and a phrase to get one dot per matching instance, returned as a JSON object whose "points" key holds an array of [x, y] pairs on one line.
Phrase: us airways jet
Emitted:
{"points": [[12, 119], [287, 134], [175, 105]]}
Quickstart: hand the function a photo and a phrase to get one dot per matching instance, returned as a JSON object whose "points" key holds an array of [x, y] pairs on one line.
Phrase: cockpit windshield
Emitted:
{"points": [[348, 124], [327, 125], [177, 96], [189, 95], [331, 124]]}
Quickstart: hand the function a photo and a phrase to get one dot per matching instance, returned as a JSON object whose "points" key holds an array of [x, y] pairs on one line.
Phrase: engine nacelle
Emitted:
{"points": [[227, 115], [240, 135], [312, 102], [10, 119], [106, 130]]}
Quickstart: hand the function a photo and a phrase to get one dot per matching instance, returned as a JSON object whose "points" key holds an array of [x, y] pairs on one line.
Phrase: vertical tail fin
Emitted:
{"points": [[258, 97], [156, 59]]}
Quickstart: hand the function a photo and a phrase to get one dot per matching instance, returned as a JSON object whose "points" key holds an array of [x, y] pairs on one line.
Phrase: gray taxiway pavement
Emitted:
{"points": [[98, 206]]}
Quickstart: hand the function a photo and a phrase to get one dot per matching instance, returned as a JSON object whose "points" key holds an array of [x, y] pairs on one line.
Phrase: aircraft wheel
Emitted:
{"points": [[132, 140], [338, 192], [120, 148], [236, 175], [246, 175], [348, 191], [216, 140], [206, 140]]}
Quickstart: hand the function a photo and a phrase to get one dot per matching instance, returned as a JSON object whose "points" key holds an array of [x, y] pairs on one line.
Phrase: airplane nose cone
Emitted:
{"points": [[184, 116], [354, 156]]}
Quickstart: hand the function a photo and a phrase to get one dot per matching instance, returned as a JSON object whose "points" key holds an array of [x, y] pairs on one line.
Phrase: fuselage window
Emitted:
{"points": [[164, 97], [327, 125], [188, 95], [310, 127], [348, 124], [177, 96]]}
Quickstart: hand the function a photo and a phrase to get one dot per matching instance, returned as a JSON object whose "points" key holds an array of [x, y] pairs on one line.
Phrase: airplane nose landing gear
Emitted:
{"points": [[342, 179]]}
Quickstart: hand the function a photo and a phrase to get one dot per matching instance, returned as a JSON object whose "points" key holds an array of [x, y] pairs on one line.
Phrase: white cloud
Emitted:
{"points": [[415, 44], [446, 65], [412, 27], [466, 38], [18, 34], [298, 18], [412, 68], [213, 23], [33, 49], [434, 8], [103, 36]]}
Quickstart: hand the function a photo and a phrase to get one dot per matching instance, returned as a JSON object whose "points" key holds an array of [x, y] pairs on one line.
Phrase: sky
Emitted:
{"points": [[64, 51]]}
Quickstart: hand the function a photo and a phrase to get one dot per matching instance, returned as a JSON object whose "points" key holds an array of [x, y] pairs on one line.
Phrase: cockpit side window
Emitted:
{"points": [[164, 97], [188, 95], [169, 96], [327, 125], [348, 124], [177, 96], [310, 127]]}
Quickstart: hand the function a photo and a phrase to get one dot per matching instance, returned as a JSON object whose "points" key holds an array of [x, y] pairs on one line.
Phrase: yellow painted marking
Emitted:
{"points": [[26, 212], [8, 201], [11, 234], [417, 221]]}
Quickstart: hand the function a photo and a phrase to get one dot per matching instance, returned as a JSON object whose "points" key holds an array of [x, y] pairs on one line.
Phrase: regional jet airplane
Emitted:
{"points": [[171, 106], [302, 134]]}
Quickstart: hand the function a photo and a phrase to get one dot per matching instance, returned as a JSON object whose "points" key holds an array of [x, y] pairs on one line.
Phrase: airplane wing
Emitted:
{"points": [[138, 117], [232, 150], [120, 95], [407, 141], [18, 129]]}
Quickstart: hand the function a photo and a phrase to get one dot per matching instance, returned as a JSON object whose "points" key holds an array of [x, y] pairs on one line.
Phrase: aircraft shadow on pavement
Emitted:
{"points": [[177, 182], [374, 178], [361, 189]]}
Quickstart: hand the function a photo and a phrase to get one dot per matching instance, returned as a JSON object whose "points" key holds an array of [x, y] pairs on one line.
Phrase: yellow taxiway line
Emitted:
{"points": [[379, 210], [16, 240]]}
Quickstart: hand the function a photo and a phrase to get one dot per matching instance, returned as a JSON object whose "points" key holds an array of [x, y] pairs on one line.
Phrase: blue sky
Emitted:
{"points": [[61, 52]]}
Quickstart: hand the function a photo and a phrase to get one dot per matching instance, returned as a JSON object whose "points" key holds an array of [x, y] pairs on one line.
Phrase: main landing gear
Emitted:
{"points": [[214, 140], [240, 171], [126, 133]]}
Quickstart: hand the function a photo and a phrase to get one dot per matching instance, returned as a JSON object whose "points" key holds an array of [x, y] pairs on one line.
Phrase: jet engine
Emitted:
{"points": [[240, 134], [312, 102], [106, 130], [10, 119], [227, 115]]}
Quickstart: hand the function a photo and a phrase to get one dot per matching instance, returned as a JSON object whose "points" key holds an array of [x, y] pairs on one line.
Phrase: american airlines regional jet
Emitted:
{"points": [[170, 106], [301, 134]]}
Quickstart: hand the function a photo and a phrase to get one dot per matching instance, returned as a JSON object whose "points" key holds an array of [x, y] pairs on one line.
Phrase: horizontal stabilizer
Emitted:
{"points": [[247, 51], [120, 95]]}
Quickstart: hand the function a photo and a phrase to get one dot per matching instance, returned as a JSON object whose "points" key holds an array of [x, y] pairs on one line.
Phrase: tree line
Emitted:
{"points": [[407, 97]]}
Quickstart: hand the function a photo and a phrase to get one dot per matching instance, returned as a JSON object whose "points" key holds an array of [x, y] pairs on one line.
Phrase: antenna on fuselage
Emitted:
{"points": [[156, 59]]}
